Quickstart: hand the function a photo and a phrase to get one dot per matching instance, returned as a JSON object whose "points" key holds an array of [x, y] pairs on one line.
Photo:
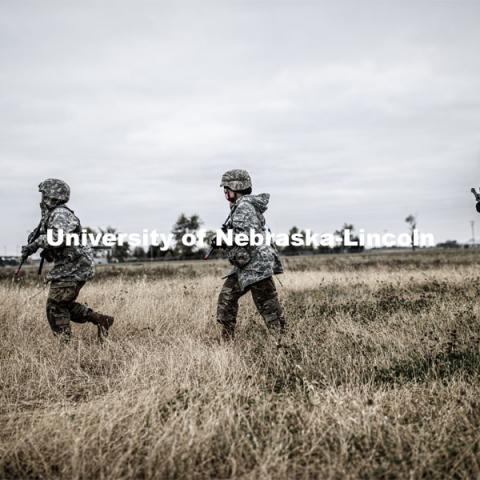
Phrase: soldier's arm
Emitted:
{"points": [[477, 198], [61, 219]]}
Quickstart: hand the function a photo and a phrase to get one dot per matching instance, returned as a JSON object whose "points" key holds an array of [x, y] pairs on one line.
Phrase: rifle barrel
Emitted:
{"points": [[22, 261], [40, 267], [207, 255]]}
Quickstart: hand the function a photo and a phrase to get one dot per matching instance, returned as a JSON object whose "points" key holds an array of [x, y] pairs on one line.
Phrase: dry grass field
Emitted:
{"points": [[378, 376]]}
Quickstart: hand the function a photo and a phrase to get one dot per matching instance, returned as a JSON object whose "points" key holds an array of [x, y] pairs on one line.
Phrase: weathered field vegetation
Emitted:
{"points": [[377, 377]]}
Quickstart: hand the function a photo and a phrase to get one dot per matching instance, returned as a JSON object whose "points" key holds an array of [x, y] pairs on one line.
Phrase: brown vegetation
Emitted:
{"points": [[377, 377]]}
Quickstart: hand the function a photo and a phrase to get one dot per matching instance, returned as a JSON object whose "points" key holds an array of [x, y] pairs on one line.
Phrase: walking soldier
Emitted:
{"points": [[254, 266]]}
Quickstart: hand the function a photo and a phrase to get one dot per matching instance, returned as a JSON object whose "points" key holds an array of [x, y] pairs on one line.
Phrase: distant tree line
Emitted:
{"points": [[191, 225]]}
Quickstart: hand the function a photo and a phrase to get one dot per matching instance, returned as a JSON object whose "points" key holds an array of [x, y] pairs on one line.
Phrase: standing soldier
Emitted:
{"points": [[254, 266], [73, 265]]}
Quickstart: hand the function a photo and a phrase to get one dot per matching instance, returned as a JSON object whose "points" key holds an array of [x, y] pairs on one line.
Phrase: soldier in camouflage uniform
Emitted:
{"points": [[73, 265], [254, 266]]}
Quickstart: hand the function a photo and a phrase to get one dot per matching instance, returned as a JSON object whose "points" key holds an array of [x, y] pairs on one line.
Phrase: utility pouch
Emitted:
{"points": [[239, 256]]}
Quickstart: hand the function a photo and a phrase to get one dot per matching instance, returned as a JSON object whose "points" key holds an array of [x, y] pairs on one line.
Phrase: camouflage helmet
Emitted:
{"points": [[56, 189], [236, 180]]}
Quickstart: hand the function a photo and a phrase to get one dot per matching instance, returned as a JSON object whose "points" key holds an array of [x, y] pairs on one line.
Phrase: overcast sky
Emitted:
{"points": [[359, 112]]}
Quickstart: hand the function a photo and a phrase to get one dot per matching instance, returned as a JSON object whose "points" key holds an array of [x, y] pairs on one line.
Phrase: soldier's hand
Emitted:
{"points": [[213, 242], [29, 249], [211, 239]]}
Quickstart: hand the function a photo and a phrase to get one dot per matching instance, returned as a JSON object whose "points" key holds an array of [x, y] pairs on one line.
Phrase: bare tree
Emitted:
{"points": [[412, 222]]}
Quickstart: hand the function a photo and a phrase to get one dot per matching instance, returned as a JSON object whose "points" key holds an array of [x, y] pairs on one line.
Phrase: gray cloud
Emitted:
{"points": [[353, 111]]}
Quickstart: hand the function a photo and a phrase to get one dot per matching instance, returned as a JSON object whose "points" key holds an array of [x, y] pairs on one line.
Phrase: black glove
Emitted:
{"points": [[478, 207], [29, 249]]}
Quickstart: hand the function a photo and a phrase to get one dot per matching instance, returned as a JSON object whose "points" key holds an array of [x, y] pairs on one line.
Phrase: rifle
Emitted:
{"points": [[213, 243], [477, 198], [31, 238]]}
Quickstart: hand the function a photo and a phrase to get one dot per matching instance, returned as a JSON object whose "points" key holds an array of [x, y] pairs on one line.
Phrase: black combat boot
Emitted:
{"points": [[103, 323]]}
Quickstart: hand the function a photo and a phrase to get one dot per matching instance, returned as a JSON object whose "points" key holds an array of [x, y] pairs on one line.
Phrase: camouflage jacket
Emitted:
{"points": [[71, 263], [251, 263]]}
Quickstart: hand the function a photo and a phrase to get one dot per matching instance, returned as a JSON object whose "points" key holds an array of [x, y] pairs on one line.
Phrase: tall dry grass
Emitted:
{"points": [[377, 377]]}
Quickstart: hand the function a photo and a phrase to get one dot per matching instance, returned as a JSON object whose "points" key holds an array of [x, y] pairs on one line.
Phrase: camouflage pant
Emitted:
{"points": [[62, 307], [264, 296]]}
